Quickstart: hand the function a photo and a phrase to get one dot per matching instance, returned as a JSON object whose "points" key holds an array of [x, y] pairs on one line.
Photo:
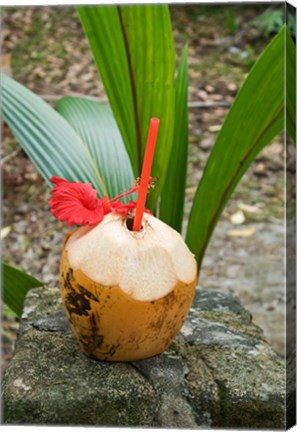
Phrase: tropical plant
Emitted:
{"points": [[271, 21], [83, 140]]}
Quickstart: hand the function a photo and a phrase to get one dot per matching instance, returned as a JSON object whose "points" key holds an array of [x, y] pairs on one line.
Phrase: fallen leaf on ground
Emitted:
{"points": [[4, 232], [232, 87], [245, 232], [237, 218], [209, 88], [249, 208], [5, 65], [214, 128]]}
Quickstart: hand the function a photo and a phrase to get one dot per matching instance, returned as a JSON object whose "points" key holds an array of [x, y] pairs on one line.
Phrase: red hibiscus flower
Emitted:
{"points": [[77, 203]]}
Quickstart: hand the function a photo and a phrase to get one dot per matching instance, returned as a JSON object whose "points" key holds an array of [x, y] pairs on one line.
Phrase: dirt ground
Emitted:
{"points": [[47, 52]]}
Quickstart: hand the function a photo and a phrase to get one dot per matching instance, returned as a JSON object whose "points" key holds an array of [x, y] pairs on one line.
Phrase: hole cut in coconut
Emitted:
{"points": [[130, 223]]}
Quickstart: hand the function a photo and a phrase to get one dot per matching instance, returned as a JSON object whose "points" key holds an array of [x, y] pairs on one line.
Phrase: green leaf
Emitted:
{"points": [[46, 137], [134, 53], [16, 284], [103, 28], [290, 86], [95, 124], [256, 116], [173, 194]]}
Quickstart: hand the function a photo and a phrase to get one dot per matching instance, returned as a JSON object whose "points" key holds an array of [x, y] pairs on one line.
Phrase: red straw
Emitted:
{"points": [[146, 172]]}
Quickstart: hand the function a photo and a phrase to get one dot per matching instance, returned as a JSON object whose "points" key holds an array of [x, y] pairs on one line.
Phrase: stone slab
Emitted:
{"points": [[219, 372]]}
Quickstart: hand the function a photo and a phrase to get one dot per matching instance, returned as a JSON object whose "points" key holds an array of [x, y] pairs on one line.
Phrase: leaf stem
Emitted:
{"points": [[146, 171]]}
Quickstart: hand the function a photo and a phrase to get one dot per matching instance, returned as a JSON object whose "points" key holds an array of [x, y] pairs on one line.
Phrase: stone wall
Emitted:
{"points": [[219, 372]]}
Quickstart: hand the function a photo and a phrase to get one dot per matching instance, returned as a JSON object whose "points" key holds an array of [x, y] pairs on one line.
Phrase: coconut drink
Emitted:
{"points": [[127, 279]]}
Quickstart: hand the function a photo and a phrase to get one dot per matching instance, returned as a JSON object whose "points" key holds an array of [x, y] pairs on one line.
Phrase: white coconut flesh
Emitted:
{"points": [[146, 265]]}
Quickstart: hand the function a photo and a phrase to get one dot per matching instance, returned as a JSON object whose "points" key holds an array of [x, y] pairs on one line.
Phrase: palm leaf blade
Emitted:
{"points": [[96, 126], [16, 284], [134, 53], [173, 194], [290, 86], [256, 116], [50, 142]]}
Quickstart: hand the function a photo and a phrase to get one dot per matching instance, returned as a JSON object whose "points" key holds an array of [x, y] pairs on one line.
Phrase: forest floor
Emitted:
{"points": [[48, 52]]}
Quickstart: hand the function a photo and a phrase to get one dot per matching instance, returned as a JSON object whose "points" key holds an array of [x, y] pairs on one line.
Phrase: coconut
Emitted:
{"points": [[126, 293]]}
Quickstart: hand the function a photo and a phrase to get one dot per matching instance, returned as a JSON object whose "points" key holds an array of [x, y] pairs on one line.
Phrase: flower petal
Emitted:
{"points": [[75, 203]]}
